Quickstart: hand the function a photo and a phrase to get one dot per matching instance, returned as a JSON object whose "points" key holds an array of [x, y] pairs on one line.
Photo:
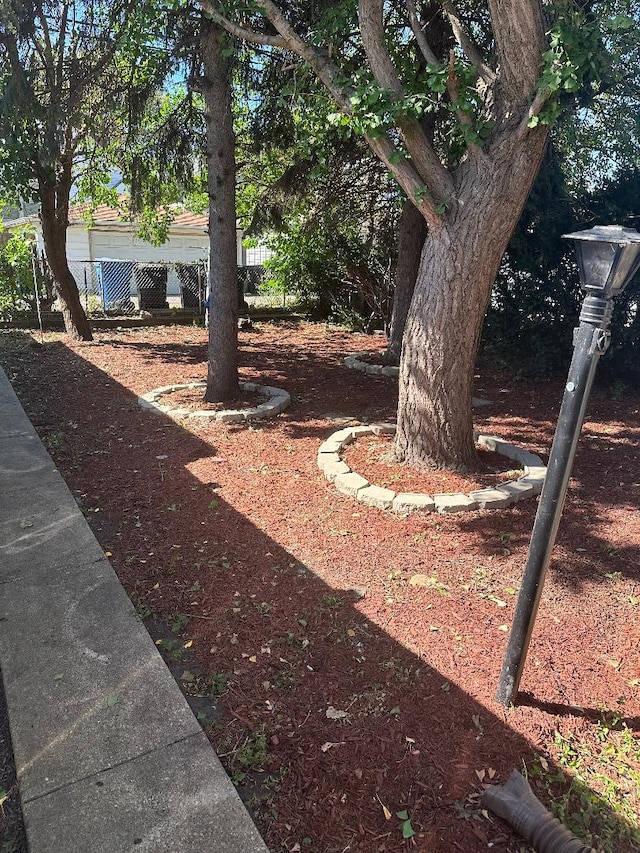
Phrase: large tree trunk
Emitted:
{"points": [[54, 216], [412, 232], [222, 374], [459, 263]]}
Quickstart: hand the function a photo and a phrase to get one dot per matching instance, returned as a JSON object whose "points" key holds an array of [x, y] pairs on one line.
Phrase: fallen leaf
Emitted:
{"points": [[480, 774], [253, 659], [358, 773], [327, 746], [188, 644], [334, 714], [387, 814]]}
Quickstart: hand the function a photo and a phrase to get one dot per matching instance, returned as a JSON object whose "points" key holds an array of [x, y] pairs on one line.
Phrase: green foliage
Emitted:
{"points": [[536, 297], [588, 55], [597, 795], [16, 270], [250, 755], [319, 265]]}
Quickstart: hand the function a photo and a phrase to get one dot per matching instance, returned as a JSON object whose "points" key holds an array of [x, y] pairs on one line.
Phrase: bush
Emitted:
{"points": [[16, 272]]}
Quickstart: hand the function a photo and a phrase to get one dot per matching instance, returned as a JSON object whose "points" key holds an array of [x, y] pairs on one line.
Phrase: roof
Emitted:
{"points": [[103, 214]]}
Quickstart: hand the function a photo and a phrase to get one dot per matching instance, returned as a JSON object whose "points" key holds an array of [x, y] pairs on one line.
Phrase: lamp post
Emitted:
{"points": [[608, 258]]}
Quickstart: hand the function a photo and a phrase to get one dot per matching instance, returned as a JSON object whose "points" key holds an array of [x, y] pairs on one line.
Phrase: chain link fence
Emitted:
{"points": [[128, 287], [121, 287]]}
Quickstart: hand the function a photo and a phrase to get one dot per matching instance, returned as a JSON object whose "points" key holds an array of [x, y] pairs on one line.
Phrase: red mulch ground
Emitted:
{"points": [[299, 600]]}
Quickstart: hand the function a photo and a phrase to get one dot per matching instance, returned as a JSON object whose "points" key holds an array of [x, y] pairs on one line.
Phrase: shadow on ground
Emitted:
{"points": [[326, 722]]}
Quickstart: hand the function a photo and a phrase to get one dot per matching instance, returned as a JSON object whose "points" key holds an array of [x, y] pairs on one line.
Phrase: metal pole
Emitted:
{"points": [[590, 342], [37, 293]]}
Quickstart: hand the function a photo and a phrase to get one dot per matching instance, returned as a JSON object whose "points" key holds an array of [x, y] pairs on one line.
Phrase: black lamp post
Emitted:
{"points": [[608, 258]]}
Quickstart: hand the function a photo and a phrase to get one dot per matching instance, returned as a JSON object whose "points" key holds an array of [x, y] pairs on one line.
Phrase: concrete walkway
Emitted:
{"points": [[109, 756]]}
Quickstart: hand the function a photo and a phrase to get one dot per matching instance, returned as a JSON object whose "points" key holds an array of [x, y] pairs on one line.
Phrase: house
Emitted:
{"points": [[103, 246]]}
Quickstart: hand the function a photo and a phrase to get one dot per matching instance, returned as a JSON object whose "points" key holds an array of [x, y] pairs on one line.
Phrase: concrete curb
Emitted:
{"points": [[352, 484], [109, 756]]}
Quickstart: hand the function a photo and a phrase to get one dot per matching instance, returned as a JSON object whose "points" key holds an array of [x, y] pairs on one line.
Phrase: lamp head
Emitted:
{"points": [[608, 258]]}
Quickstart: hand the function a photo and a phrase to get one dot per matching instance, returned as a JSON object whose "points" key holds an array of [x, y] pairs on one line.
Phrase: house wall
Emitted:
{"points": [[180, 247], [77, 243]]}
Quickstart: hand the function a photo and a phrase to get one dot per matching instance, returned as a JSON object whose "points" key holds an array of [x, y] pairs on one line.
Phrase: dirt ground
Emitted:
{"points": [[353, 654]]}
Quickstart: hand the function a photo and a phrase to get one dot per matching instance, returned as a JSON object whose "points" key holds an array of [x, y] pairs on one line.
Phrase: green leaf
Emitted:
{"points": [[395, 711], [112, 701], [403, 815], [407, 830]]}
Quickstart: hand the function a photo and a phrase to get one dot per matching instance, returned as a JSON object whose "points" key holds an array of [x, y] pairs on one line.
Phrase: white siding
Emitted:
{"points": [[107, 243], [77, 243]]}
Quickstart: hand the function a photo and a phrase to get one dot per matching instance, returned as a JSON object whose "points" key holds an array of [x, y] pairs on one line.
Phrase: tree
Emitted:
{"points": [[222, 372], [66, 69], [500, 84]]}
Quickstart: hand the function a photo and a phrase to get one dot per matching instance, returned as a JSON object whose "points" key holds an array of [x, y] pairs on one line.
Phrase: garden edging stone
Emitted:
{"points": [[348, 482], [278, 401]]}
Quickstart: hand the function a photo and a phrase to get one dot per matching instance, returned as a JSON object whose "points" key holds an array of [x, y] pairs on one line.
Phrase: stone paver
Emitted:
{"points": [[447, 503], [413, 502], [350, 484], [377, 496], [491, 498]]}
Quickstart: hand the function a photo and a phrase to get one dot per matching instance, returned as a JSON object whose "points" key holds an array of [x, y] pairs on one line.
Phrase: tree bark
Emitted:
{"points": [[412, 232], [222, 372], [54, 217], [459, 263]]}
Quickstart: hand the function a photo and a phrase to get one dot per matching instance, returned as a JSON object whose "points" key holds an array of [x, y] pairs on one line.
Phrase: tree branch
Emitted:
{"points": [[468, 45], [252, 36], [534, 110], [329, 74], [421, 39], [519, 33], [427, 162]]}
